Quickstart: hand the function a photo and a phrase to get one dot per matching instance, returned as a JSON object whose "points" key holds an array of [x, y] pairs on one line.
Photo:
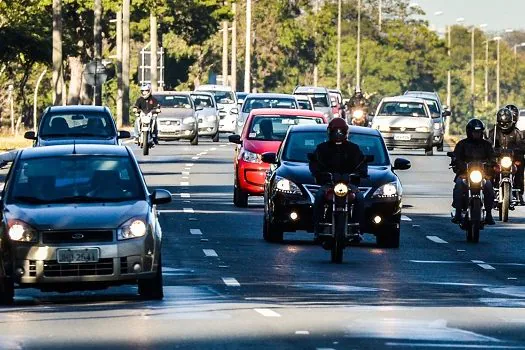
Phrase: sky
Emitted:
{"points": [[499, 15]]}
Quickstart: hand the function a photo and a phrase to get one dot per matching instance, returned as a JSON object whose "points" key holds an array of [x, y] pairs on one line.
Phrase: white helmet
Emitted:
{"points": [[145, 90]]}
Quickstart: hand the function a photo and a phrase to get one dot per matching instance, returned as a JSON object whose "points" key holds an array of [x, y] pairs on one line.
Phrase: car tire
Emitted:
{"points": [[429, 151], [215, 138], [152, 289], [195, 141], [440, 147], [240, 198], [7, 291], [271, 233], [389, 238], [390, 148]]}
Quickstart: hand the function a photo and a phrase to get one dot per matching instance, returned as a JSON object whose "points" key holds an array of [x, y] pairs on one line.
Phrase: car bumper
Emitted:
{"points": [[117, 263], [176, 132], [251, 177], [208, 128], [228, 124], [416, 141]]}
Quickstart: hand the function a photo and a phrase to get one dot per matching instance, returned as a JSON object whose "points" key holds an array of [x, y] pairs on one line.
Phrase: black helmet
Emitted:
{"points": [[515, 112], [474, 125], [337, 130], [505, 119]]}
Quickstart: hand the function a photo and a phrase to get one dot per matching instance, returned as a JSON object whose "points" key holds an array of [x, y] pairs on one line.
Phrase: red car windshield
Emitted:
{"points": [[274, 128]]}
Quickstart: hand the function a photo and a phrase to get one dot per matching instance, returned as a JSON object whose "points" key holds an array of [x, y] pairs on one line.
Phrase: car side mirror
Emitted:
{"points": [[30, 135], [446, 114], [402, 164], [450, 154], [235, 139], [240, 102], [234, 111], [160, 197], [123, 134], [334, 104], [199, 108], [269, 158]]}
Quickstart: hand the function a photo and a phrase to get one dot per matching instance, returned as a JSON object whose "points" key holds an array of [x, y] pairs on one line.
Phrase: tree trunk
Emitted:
{"points": [[75, 84], [58, 67]]}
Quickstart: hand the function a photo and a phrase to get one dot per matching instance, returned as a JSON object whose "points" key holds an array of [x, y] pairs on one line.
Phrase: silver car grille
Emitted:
{"points": [[311, 190]]}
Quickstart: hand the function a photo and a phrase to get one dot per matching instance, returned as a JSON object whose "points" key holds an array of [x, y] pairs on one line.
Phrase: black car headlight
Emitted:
{"points": [[21, 232], [284, 185], [389, 190], [133, 228]]}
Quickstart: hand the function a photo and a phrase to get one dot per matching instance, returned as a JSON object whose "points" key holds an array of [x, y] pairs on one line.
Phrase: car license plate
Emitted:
{"points": [[75, 256], [169, 128], [402, 137]]}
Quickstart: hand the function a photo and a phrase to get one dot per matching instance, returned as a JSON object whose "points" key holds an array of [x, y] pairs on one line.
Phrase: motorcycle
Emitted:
{"points": [[338, 214], [506, 194], [146, 126], [358, 117], [474, 214]]}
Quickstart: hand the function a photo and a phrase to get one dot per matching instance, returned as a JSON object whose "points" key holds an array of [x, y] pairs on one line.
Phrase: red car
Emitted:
{"points": [[263, 131]]}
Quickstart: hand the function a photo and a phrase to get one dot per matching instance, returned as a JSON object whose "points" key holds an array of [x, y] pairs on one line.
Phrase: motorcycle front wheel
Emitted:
{"points": [[505, 202], [474, 224], [145, 143], [339, 228]]}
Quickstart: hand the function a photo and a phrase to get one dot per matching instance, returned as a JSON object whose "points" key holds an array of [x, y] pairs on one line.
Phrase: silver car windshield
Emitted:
{"points": [[259, 102], [223, 97], [404, 109], [203, 101], [174, 101], [319, 100], [77, 124], [75, 179]]}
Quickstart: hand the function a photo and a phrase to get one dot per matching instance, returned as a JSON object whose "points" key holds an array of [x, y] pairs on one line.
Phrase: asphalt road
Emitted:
{"points": [[225, 288]]}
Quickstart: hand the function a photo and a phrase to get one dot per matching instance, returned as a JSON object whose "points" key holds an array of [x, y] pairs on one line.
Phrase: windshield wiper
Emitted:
{"points": [[29, 199], [84, 199]]}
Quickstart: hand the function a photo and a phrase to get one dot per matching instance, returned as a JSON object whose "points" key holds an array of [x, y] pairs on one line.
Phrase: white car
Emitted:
{"points": [[521, 121], [226, 104]]}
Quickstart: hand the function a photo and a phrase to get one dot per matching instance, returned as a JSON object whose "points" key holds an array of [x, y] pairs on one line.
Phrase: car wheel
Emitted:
{"points": [[195, 141], [390, 148], [215, 138], [429, 151], [152, 289], [440, 147], [7, 291], [240, 198], [389, 238], [271, 233]]}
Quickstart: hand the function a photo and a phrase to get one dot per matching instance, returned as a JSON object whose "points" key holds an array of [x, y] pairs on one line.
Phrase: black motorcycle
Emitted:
{"points": [[506, 194]]}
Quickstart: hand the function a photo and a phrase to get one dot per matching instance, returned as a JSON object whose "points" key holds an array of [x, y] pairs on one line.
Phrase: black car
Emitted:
{"points": [[290, 187], [62, 125], [79, 217]]}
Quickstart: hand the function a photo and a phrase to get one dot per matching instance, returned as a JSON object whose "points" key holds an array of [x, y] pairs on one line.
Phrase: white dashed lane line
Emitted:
{"points": [[195, 231], [210, 253], [267, 313], [231, 282], [483, 265], [189, 164], [436, 239], [186, 172], [185, 195], [213, 149], [195, 158], [405, 218], [184, 183], [188, 210], [302, 332]]}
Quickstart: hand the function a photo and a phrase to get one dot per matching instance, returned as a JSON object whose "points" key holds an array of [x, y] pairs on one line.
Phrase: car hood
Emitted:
{"points": [[227, 106], [206, 112], [71, 140], [77, 216], [260, 147], [399, 121], [299, 173], [168, 113]]}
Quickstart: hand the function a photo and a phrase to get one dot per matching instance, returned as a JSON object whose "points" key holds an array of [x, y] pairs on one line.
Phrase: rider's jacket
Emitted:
{"points": [[146, 105], [470, 150], [329, 157], [511, 139]]}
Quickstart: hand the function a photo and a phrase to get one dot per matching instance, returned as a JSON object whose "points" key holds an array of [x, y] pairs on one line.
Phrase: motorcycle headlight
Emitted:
{"points": [[286, 186], [133, 228], [358, 114], [422, 129], [251, 157], [476, 176], [188, 120], [341, 190], [21, 232], [388, 190], [506, 162]]}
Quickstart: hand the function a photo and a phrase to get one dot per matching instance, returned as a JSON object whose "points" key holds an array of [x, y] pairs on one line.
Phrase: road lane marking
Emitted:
{"points": [[195, 158], [461, 250], [188, 210], [185, 195], [210, 252], [213, 149], [222, 145], [511, 278], [453, 345], [405, 218], [438, 262], [184, 183], [185, 177], [231, 282], [195, 231], [190, 164], [185, 173], [267, 312], [487, 266], [302, 332], [478, 261], [436, 239]]}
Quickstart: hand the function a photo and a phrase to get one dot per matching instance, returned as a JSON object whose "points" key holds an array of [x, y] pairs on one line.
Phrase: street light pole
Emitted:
{"points": [[472, 75], [339, 44], [449, 80], [234, 48], [358, 60], [486, 73], [498, 73], [225, 53], [248, 52]]}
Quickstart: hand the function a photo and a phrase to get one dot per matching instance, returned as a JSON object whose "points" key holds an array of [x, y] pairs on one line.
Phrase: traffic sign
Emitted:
{"points": [[95, 73]]}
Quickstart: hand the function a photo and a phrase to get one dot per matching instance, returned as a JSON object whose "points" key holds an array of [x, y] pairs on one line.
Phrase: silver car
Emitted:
{"points": [[178, 118], [320, 97], [405, 122], [207, 114], [226, 104]]}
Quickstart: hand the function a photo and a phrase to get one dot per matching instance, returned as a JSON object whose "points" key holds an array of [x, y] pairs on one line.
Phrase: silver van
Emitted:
{"points": [[405, 122]]}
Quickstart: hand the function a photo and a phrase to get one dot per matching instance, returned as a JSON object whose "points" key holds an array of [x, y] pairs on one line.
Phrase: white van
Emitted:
{"points": [[226, 104]]}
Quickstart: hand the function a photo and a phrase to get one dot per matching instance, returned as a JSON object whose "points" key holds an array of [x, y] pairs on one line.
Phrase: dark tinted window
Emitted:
{"points": [[404, 109], [319, 100], [274, 128], [203, 101], [78, 124], [261, 102], [174, 101]]}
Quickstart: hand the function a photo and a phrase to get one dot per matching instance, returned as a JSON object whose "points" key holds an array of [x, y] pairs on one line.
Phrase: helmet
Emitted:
{"points": [[145, 90], [515, 112], [504, 119], [337, 130], [474, 125]]}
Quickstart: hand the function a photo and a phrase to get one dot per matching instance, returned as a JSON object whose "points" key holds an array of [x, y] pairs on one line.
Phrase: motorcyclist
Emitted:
{"points": [[472, 149], [505, 135], [339, 156], [515, 113], [146, 103], [358, 102]]}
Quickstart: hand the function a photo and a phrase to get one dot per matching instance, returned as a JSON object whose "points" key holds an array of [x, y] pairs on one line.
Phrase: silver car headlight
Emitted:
{"points": [[188, 120], [211, 118], [389, 190], [21, 232], [251, 157], [133, 228], [286, 186]]}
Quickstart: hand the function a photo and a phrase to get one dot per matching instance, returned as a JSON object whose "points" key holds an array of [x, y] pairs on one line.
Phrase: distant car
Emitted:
{"points": [[178, 117], [339, 98], [78, 217], [405, 122], [241, 96], [263, 132], [439, 114], [208, 116], [263, 100], [521, 121], [62, 125], [320, 97], [290, 188], [226, 103], [304, 102]]}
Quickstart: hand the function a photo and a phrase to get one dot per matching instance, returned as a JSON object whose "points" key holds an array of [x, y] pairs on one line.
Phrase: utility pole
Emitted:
{"points": [[234, 48], [125, 60], [358, 61], [58, 80], [10, 90], [120, 91], [486, 73], [316, 69], [153, 49], [248, 53], [97, 35], [339, 45], [380, 14], [225, 53], [497, 74], [472, 75], [449, 79]]}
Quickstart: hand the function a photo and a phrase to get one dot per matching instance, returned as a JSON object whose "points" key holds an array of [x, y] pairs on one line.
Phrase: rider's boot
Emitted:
{"points": [[520, 199], [457, 217], [489, 220]]}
